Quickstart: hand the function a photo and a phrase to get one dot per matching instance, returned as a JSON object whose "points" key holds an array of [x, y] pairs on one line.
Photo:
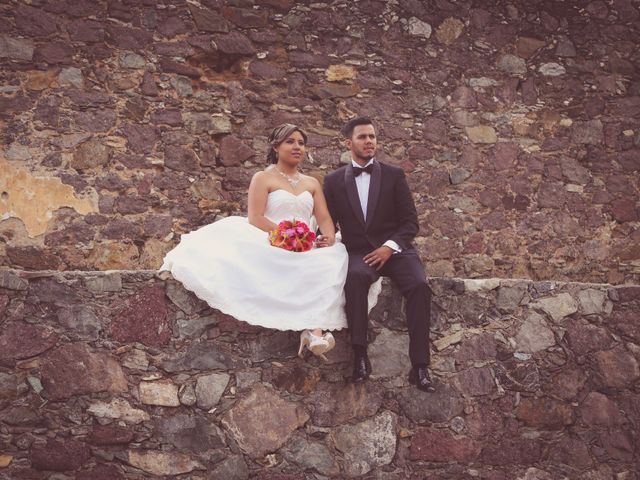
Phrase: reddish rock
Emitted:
{"points": [[505, 155], [435, 130], [336, 404], [74, 369], [476, 381], [54, 53], [23, 340], [60, 455], [95, 121], [120, 228], [615, 368], [544, 413], [34, 22], [551, 195], [585, 338], [475, 243], [464, 97], [180, 159], [128, 38], [172, 26], [298, 380], [477, 348], [619, 445], [167, 117], [624, 210], [33, 258], [245, 17], [101, 472], [171, 66], [207, 20], [307, 60], [234, 151], [267, 70], [143, 319], [597, 409], [485, 420], [141, 138], [573, 452], [234, 43], [432, 445], [567, 384], [86, 31], [509, 450], [110, 435], [4, 301], [148, 85]]}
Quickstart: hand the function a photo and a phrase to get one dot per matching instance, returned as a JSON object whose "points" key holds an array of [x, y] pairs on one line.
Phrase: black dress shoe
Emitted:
{"points": [[419, 376], [361, 368]]}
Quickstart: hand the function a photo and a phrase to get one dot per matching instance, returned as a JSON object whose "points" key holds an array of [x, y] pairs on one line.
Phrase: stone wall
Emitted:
{"points": [[122, 375], [125, 123]]}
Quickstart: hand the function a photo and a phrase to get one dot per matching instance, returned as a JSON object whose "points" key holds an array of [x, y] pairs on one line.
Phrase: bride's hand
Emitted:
{"points": [[325, 241]]}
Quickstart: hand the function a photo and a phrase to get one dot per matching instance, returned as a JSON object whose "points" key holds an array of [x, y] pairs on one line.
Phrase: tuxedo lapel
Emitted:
{"points": [[352, 193], [374, 191]]}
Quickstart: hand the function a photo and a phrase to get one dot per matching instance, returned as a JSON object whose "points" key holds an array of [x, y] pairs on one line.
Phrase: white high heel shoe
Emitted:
{"points": [[316, 345]]}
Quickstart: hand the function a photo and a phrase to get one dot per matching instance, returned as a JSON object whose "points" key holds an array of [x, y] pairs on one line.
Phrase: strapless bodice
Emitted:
{"points": [[284, 205]]}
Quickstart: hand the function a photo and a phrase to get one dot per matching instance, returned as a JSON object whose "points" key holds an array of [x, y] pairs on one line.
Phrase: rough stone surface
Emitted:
{"points": [[161, 463], [439, 446], [20, 340], [209, 389], [534, 334], [74, 369], [162, 392], [262, 422], [143, 319], [557, 307]]}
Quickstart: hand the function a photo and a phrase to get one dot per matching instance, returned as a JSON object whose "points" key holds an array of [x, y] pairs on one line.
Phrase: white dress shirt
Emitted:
{"points": [[362, 184]]}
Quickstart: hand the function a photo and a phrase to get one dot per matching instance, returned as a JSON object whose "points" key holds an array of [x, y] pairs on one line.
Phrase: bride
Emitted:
{"points": [[232, 266]]}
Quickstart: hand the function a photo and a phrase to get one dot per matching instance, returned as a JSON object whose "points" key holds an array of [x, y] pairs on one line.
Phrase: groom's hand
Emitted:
{"points": [[378, 257]]}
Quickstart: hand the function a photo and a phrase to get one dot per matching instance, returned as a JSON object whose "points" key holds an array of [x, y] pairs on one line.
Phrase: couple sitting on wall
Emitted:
{"points": [[234, 267]]}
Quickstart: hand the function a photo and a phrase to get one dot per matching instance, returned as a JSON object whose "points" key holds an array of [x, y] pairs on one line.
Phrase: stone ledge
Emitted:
{"points": [[137, 377]]}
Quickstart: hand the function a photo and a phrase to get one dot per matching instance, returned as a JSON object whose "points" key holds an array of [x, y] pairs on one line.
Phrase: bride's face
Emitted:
{"points": [[291, 150]]}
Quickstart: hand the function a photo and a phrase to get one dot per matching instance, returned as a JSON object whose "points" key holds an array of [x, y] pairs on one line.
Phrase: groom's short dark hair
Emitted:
{"points": [[348, 128]]}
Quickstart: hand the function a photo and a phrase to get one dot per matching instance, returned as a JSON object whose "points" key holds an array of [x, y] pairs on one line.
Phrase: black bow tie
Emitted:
{"points": [[357, 170]]}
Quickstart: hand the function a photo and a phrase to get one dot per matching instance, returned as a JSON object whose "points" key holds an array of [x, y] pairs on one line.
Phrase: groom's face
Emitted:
{"points": [[362, 143]]}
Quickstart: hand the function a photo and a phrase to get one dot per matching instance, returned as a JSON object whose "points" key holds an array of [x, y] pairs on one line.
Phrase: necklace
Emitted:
{"points": [[294, 180]]}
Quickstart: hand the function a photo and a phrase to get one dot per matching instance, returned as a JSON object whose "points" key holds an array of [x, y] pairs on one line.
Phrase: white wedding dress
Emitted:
{"points": [[231, 265]]}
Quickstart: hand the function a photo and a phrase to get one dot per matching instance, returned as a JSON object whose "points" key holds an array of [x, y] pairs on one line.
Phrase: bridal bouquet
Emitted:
{"points": [[292, 235]]}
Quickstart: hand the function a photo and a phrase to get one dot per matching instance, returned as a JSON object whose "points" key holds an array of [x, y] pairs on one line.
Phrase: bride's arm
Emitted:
{"points": [[323, 218], [257, 203]]}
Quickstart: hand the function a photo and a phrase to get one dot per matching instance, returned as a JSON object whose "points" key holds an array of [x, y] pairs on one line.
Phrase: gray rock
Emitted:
{"points": [[195, 327], [108, 282], [182, 298], [11, 386], [308, 454], [11, 281], [80, 320], [202, 356], [592, 301], [436, 407], [557, 307], [338, 403], [512, 64], [118, 409], [262, 421], [209, 389], [71, 76], [590, 132], [16, 48], [367, 445], [552, 69], [476, 381], [458, 175], [565, 47], [190, 432], [231, 468], [510, 297], [187, 395], [135, 359], [534, 335], [419, 28], [132, 60], [247, 379], [163, 463], [389, 355], [182, 85]]}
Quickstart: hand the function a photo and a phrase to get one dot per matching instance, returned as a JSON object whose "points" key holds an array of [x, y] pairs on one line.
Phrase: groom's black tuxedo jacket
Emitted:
{"points": [[391, 212]]}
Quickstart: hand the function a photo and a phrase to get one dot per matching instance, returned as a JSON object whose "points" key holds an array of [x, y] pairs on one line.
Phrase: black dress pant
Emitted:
{"points": [[407, 272]]}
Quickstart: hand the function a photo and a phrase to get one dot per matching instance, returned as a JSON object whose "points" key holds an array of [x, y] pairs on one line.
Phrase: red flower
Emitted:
{"points": [[294, 236]]}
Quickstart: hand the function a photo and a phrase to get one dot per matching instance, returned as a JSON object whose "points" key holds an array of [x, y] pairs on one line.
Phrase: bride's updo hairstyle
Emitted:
{"points": [[279, 135]]}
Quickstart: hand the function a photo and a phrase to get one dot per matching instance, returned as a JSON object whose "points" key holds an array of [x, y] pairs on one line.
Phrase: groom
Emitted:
{"points": [[373, 208]]}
